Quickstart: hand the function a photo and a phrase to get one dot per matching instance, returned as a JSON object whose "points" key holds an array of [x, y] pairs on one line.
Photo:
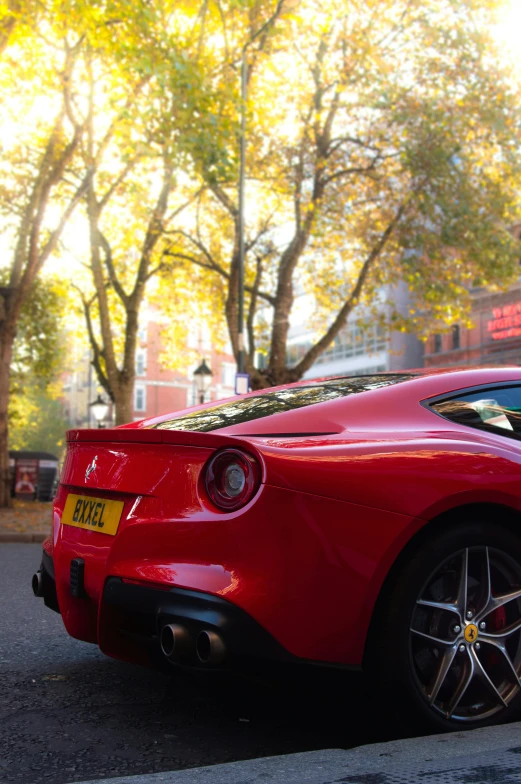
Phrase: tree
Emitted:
{"points": [[172, 87], [122, 264], [383, 144], [36, 417], [40, 60], [39, 349], [48, 51], [134, 194], [37, 420]]}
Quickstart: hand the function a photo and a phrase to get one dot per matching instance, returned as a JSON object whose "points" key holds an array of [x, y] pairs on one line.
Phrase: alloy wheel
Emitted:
{"points": [[465, 635]]}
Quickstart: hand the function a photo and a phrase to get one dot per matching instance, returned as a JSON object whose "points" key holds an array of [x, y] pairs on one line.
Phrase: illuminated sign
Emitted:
{"points": [[506, 322]]}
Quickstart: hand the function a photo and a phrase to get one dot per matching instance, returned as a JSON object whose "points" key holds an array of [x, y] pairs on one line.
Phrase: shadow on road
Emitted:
{"points": [[105, 718], [67, 713]]}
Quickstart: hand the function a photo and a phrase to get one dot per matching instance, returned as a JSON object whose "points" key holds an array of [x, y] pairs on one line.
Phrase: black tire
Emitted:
{"points": [[409, 666]]}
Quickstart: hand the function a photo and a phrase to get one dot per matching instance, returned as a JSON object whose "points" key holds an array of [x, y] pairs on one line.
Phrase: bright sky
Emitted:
{"points": [[508, 33]]}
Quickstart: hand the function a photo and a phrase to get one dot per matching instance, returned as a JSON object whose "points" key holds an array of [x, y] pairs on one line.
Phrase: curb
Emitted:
{"points": [[17, 537], [484, 755]]}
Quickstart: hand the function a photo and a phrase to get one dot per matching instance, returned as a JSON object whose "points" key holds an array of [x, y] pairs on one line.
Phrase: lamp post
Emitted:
{"points": [[243, 379], [242, 175], [99, 410], [203, 379]]}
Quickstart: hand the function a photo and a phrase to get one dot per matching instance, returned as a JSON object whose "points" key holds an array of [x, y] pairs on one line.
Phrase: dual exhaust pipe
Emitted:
{"points": [[177, 643], [44, 587], [37, 584]]}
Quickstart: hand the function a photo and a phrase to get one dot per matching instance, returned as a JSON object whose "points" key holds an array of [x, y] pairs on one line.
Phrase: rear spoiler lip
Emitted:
{"points": [[152, 436]]}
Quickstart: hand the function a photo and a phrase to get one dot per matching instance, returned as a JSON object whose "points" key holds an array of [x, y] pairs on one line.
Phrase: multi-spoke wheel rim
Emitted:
{"points": [[465, 635]]}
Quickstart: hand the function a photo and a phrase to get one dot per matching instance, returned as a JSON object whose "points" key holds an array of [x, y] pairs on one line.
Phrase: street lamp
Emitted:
{"points": [[99, 410], [203, 379]]}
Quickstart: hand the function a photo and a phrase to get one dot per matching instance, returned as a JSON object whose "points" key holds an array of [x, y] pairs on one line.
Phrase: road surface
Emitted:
{"points": [[68, 713]]}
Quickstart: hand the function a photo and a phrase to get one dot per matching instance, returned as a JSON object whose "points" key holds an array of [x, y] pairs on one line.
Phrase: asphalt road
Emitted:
{"points": [[68, 713]]}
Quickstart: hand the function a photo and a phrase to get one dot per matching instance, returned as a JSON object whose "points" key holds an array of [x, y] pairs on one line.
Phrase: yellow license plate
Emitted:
{"points": [[94, 514]]}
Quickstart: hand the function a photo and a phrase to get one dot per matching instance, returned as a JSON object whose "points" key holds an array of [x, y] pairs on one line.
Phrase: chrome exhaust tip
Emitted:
{"points": [[210, 648], [37, 584], [175, 641]]}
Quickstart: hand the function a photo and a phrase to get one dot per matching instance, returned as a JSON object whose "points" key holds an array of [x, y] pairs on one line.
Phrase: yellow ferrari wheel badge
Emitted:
{"points": [[471, 632]]}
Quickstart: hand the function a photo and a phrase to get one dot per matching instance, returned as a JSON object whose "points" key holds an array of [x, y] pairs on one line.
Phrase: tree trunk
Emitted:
{"points": [[6, 352], [123, 397]]}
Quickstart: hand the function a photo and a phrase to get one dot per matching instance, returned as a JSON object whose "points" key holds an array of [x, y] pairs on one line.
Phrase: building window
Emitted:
{"points": [[140, 398], [455, 336], [141, 360], [437, 343], [228, 372], [261, 360], [352, 341]]}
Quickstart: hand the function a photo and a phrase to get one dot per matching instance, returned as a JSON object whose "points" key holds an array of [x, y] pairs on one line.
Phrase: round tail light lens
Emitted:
{"points": [[232, 479]]}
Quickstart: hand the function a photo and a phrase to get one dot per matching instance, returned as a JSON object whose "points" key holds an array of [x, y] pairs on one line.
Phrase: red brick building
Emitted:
{"points": [[157, 390], [495, 338]]}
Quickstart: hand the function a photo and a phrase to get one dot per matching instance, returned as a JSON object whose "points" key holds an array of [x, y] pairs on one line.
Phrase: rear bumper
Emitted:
{"points": [[132, 616], [305, 569]]}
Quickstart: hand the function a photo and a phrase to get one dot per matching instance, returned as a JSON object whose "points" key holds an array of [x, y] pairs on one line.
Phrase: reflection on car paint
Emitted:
{"points": [[266, 404]]}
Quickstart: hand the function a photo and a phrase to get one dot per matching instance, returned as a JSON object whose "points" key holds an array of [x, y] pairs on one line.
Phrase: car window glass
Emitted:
{"points": [[496, 410], [246, 409], [491, 413]]}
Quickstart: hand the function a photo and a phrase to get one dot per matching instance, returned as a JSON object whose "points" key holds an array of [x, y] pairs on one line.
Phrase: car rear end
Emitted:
{"points": [[137, 514], [206, 546]]}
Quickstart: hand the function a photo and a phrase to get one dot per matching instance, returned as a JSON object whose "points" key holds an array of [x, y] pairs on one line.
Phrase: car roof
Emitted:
{"points": [[400, 398]]}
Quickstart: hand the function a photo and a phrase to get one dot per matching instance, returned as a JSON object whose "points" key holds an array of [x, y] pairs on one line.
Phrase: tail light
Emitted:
{"points": [[232, 479]]}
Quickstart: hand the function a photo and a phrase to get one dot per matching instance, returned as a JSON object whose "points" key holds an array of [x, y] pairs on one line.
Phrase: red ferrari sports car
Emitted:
{"points": [[368, 522]]}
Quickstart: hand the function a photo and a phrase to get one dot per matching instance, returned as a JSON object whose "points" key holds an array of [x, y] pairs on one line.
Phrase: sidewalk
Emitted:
{"points": [[26, 521], [472, 757]]}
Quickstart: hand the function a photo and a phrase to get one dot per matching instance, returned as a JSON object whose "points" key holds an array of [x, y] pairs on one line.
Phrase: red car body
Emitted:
{"points": [[345, 485]]}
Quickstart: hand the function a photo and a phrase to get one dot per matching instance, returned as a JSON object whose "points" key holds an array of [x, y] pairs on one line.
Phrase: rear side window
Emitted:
{"points": [[246, 409], [495, 410]]}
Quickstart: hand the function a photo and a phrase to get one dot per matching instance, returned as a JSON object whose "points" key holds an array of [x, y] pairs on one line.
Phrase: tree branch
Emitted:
{"points": [[253, 308], [225, 200], [365, 170], [52, 242], [202, 15], [175, 213], [113, 125], [341, 318], [116, 183], [336, 143], [155, 229], [8, 23], [96, 351], [109, 264], [212, 264], [194, 260], [263, 31]]}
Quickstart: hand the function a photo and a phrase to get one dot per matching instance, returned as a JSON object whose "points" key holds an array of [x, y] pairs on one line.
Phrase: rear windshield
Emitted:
{"points": [[246, 409]]}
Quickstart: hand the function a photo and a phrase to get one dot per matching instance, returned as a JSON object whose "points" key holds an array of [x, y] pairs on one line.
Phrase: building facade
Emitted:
{"points": [[157, 389], [494, 338], [363, 346]]}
